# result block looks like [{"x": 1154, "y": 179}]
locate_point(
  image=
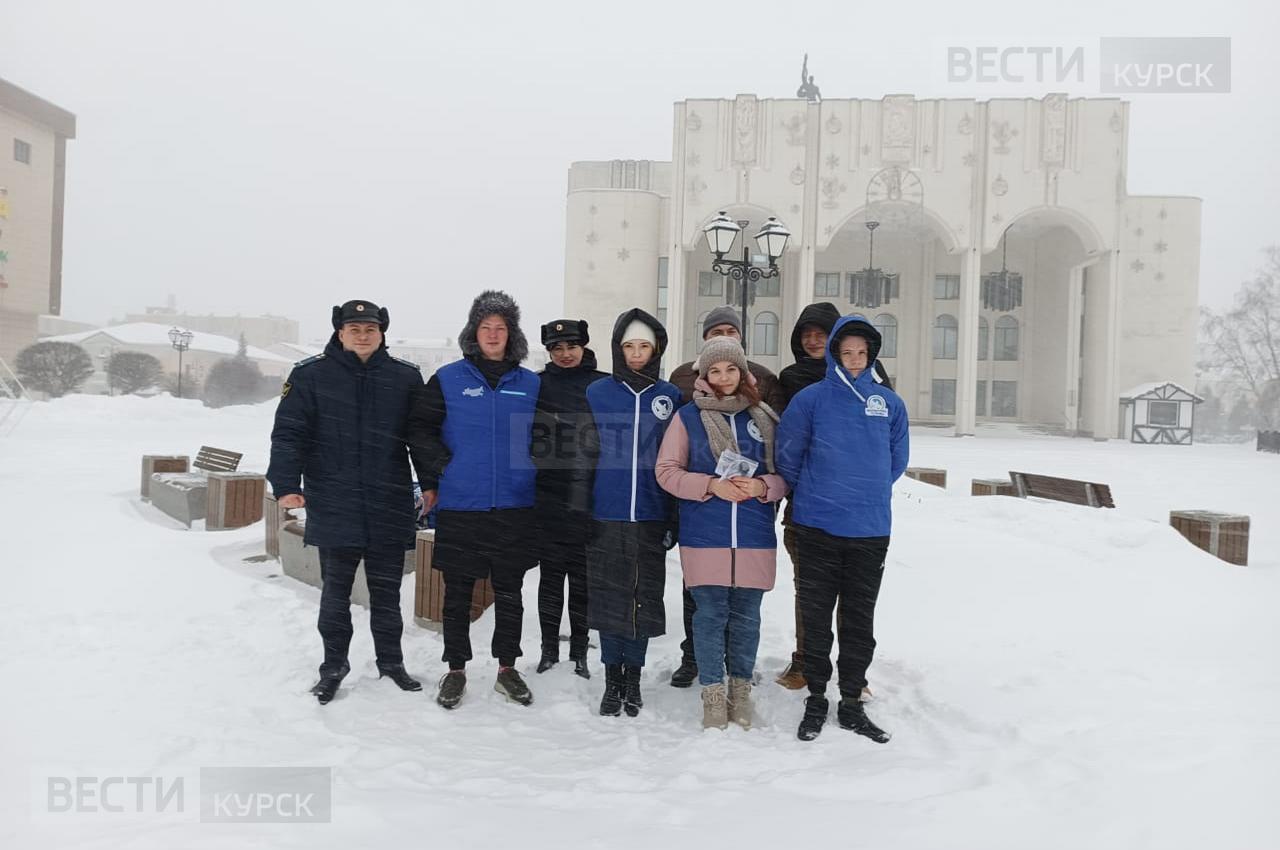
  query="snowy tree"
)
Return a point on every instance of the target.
[
  {"x": 56, "y": 368},
  {"x": 131, "y": 371},
  {"x": 1244, "y": 342},
  {"x": 234, "y": 380}
]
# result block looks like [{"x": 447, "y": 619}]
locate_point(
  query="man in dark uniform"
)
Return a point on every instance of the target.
[{"x": 339, "y": 449}]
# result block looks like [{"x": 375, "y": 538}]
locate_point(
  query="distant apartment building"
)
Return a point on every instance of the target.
[{"x": 33, "y": 150}]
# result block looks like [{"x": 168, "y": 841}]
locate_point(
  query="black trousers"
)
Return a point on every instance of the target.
[
  {"x": 508, "y": 615},
  {"x": 551, "y": 605},
  {"x": 843, "y": 572},
  {"x": 383, "y": 570}
]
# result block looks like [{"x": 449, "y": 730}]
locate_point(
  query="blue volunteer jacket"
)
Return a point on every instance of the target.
[
  {"x": 487, "y": 432},
  {"x": 715, "y": 523},
  {"x": 630, "y": 426},
  {"x": 841, "y": 445}
]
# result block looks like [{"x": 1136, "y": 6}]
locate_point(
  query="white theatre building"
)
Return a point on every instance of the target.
[{"x": 1101, "y": 290}]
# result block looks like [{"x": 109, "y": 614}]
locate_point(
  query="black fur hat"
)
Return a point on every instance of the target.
[
  {"x": 565, "y": 330},
  {"x": 494, "y": 302},
  {"x": 361, "y": 311}
]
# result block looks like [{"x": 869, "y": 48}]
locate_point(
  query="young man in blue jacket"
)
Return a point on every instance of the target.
[
  {"x": 339, "y": 449},
  {"x": 474, "y": 421},
  {"x": 842, "y": 443}
]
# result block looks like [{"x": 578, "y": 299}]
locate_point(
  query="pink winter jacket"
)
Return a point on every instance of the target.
[{"x": 755, "y": 568}]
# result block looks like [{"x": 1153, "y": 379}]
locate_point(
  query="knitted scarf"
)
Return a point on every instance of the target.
[{"x": 719, "y": 433}]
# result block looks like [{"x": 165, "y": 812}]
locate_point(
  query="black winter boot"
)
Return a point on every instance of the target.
[
  {"x": 851, "y": 714},
  {"x": 614, "y": 687},
  {"x": 327, "y": 687},
  {"x": 550, "y": 658},
  {"x": 685, "y": 674},
  {"x": 631, "y": 699},
  {"x": 580, "y": 668},
  {"x": 399, "y": 675},
  {"x": 815, "y": 715}
]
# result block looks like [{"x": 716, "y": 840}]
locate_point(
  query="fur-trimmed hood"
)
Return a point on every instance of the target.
[{"x": 494, "y": 302}]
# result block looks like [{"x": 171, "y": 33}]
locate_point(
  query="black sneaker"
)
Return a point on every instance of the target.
[
  {"x": 397, "y": 674},
  {"x": 815, "y": 715},
  {"x": 511, "y": 685},
  {"x": 685, "y": 674},
  {"x": 851, "y": 714},
  {"x": 452, "y": 686},
  {"x": 580, "y": 668}
]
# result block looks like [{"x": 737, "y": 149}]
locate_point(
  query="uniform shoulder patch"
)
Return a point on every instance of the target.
[
  {"x": 284, "y": 391},
  {"x": 401, "y": 360},
  {"x": 307, "y": 361}
]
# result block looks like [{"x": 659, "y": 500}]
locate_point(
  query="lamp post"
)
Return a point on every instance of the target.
[
  {"x": 180, "y": 340},
  {"x": 721, "y": 233}
]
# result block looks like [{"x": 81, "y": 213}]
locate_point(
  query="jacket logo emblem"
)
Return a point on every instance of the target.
[
  {"x": 876, "y": 406},
  {"x": 473, "y": 392},
  {"x": 754, "y": 430},
  {"x": 662, "y": 407}
]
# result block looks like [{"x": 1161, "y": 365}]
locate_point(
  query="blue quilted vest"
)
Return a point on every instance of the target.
[
  {"x": 488, "y": 432},
  {"x": 716, "y": 523},
  {"x": 631, "y": 426}
]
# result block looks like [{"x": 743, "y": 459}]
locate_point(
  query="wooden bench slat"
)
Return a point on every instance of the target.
[
  {"x": 1069, "y": 490},
  {"x": 217, "y": 460}
]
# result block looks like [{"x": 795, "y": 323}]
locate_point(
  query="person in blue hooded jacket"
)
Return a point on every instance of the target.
[
  {"x": 474, "y": 419},
  {"x": 632, "y": 515},
  {"x": 841, "y": 445}
]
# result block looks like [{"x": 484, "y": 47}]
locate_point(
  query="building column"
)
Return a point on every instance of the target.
[
  {"x": 1075, "y": 316},
  {"x": 676, "y": 305},
  {"x": 1106, "y": 395},
  {"x": 967, "y": 347}
]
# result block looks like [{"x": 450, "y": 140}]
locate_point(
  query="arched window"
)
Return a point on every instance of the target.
[
  {"x": 888, "y": 327},
  {"x": 946, "y": 333},
  {"x": 1006, "y": 338},
  {"x": 984, "y": 331},
  {"x": 764, "y": 334}
]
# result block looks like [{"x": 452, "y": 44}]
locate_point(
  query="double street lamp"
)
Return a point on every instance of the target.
[
  {"x": 722, "y": 232},
  {"x": 181, "y": 340}
]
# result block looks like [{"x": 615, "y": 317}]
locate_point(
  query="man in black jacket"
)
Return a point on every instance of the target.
[
  {"x": 339, "y": 449},
  {"x": 563, "y": 506}
]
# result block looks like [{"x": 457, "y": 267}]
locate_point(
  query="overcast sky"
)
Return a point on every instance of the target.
[{"x": 281, "y": 157}]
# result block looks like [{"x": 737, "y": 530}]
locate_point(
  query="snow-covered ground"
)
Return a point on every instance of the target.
[{"x": 1054, "y": 676}]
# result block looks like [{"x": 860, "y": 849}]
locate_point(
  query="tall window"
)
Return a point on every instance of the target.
[
  {"x": 982, "y": 398},
  {"x": 710, "y": 285},
  {"x": 765, "y": 334},
  {"x": 946, "y": 333},
  {"x": 946, "y": 287},
  {"x": 22, "y": 151},
  {"x": 695, "y": 332},
  {"x": 984, "y": 334},
  {"x": 662, "y": 290},
  {"x": 1006, "y": 340},
  {"x": 1004, "y": 398},
  {"x": 942, "y": 400},
  {"x": 826, "y": 285},
  {"x": 888, "y": 327}
]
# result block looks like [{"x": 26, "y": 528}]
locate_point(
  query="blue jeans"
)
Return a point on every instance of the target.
[
  {"x": 737, "y": 610},
  {"x": 616, "y": 649}
]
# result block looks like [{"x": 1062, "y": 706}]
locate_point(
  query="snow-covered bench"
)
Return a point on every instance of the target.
[
  {"x": 925, "y": 475},
  {"x": 1069, "y": 490},
  {"x": 184, "y": 495},
  {"x": 302, "y": 562}
]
